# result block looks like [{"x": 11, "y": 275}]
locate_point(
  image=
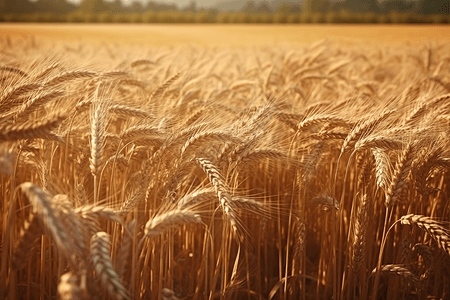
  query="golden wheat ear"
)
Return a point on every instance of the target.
[
  {"x": 101, "y": 260},
  {"x": 221, "y": 190},
  {"x": 433, "y": 227},
  {"x": 31, "y": 130},
  {"x": 174, "y": 218},
  {"x": 400, "y": 270},
  {"x": 58, "y": 219}
]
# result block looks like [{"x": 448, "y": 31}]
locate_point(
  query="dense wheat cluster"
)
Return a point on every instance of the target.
[{"x": 282, "y": 172}]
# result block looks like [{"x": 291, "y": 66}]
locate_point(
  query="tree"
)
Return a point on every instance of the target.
[
  {"x": 191, "y": 7},
  {"x": 17, "y": 6},
  {"x": 433, "y": 7},
  {"x": 358, "y": 6},
  {"x": 397, "y": 5},
  {"x": 54, "y": 6},
  {"x": 249, "y": 7},
  {"x": 113, "y": 6},
  {"x": 264, "y": 8},
  {"x": 283, "y": 8},
  {"x": 92, "y": 6},
  {"x": 135, "y": 7},
  {"x": 314, "y": 6}
]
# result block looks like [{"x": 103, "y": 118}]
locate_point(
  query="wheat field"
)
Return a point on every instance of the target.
[{"x": 316, "y": 171}]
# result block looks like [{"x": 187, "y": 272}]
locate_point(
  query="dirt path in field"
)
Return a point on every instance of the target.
[{"x": 221, "y": 35}]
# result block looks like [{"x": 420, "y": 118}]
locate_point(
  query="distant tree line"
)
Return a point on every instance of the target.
[{"x": 307, "y": 11}]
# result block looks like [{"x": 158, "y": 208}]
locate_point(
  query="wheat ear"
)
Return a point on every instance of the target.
[
  {"x": 383, "y": 168},
  {"x": 379, "y": 142},
  {"x": 32, "y": 130},
  {"x": 365, "y": 127},
  {"x": 67, "y": 76},
  {"x": 160, "y": 90},
  {"x": 46, "y": 71},
  {"x": 100, "y": 243},
  {"x": 141, "y": 62},
  {"x": 221, "y": 191},
  {"x": 13, "y": 70},
  {"x": 401, "y": 270},
  {"x": 203, "y": 195},
  {"x": 97, "y": 145},
  {"x": 360, "y": 233},
  {"x": 160, "y": 223},
  {"x": 434, "y": 228},
  {"x": 321, "y": 119},
  {"x": 129, "y": 111},
  {"x": 18, "y": 90},
  {"x": 57, "y": 218},
  {"x": 397, "y": 188}
]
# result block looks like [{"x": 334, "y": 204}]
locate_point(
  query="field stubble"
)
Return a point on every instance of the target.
[{"x": 288, "y": 172}]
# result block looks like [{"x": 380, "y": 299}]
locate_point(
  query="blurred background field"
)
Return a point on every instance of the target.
[
  {"x": 221, "y": 34},
  {"x": 226, "y": 11}
]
